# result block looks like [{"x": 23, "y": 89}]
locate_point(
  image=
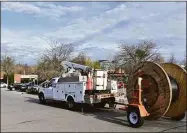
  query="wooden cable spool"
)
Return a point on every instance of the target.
[
  {"x": 158, "y": 84},
  {"x": 178, "y": 78}
]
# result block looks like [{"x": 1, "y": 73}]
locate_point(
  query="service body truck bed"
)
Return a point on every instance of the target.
[{"x": 74, "y": 89}]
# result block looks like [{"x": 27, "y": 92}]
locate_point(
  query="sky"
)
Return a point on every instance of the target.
[{"x": 96, "y": 28}]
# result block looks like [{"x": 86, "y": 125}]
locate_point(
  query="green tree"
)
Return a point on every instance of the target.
[
  {"x": 140, "y": 54},
  {"x": 96, "y": 65},
  {"x": 7, "y": 66},
  {"x": 88, "y": 62},
  {"x": 10, "y": 78},
  {"x": 83, "y": 59}
]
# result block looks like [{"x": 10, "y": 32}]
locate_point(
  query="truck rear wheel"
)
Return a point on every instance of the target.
[
  {"x": 70, "y": 103},
  {"x": 111, "y": 103},
  {"x": 42, "y": 98},
  {"x": 134, "y": 118}
]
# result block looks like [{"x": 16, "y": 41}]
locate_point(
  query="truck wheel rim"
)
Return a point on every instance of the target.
[
  {"x": 70, "y": 104},
  {"x": 42, "y": 98},
  {"x": 133, "y": 117}
]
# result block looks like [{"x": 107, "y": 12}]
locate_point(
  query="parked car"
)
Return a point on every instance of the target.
[
  {"x": 3, "y": 85},
  {"x": 32, "y": 89},
  {"x": 17, "y": 86},
  {"x": 11, "y": 87},
  {"x": 23, "y": 87}
]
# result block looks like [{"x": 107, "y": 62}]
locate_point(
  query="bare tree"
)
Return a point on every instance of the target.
[
  {"x": 49, "y": 63},
  {"x": 24, "y": 69},
  {"x": 172, "y": 59},
  {"x": 7, "y": 65},
  {"x": 57, "y": 53},
  {"x": 18, "y": 69},
  {"x": 80, "y": 59},
  {"x": 45, "y": 71},
  {"x": 131, "y": 55},
  {"x": 83, "y": 59},
  {"x": 183, "y": 63}
]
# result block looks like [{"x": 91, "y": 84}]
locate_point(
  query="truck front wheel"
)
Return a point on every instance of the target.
[{"x": 42, "y": 98}]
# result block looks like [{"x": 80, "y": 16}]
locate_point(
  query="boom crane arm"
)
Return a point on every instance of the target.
[{"x": 74, "y": 66}]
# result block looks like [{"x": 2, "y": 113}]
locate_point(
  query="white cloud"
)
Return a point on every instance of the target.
[
  {"x": 82, "y": 28},
  {"x": 39, "y": 9},
  {"x": 20, "y": 7},
  {"x": 22, "y": 45},
  {"x": 165, "y": 24},
  {"x": 20, "y": 38},
  {"x": 142, "y": 25},
  {"x": 158, "y": 27},
  {"x": 58, "y": 7}
]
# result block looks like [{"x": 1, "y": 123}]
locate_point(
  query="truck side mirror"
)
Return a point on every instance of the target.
[
  {"x": 43, "y": 85},
  {"x": 53, "y": 85},
  {"x": 50, "y": 84}
]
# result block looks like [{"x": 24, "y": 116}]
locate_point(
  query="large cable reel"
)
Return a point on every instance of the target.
[
  {"x": 163, "y": 89},
  {"x": 178, "y": 78}
]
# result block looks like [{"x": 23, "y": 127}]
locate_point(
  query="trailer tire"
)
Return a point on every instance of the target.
[
  {"x": 134, "y": 118},
  {"x": 70, "y": 103},
  {"x": 178, "y": 118},
  {"x": 42, "y": 98}
]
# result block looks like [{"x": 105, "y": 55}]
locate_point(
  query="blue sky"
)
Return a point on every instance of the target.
[{"x": 94, "y": 27}]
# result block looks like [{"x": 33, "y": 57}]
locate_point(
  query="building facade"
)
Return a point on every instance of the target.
[
  {"x": 2, "y": 75},
  {"x": 106, "y": 65}
]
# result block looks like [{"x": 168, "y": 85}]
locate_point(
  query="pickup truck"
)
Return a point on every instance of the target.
[{"x": 73, "y": 91}]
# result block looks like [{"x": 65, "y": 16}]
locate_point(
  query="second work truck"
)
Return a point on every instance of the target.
[{"x": 80, "y": 84}]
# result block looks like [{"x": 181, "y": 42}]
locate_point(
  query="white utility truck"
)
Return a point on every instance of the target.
[{"x": 80, "y": 84}]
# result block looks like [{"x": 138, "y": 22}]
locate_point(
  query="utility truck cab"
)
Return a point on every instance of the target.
[{"x": 80, "y": 84}]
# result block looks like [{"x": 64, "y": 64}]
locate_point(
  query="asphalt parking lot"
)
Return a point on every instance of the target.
[{"x": 21, "y": 112}]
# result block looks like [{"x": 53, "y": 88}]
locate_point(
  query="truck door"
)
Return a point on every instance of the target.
[
  {"x": 52, "y": 88},
  {"x": 61, "y": 89},
  {"x": 55, "y": 93},
  {"x": 47, "y": 90},
  {"x": 50, "y": 92}
]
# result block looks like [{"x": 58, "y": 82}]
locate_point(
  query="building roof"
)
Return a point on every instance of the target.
[{"x": 103, "y": 61}]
